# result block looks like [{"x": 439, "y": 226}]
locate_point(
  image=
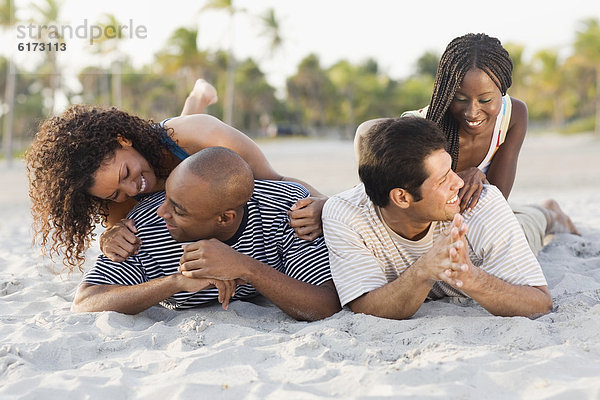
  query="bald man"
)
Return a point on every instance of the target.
[{"x": 215, "y": 234}]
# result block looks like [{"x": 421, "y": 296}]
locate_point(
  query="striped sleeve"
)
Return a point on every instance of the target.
[
  {"x": 354, "y": 268},
  {"x": 498, "y": 240},
  {"x": 306, "y": 261},
  {"x": 106, "y": 272}
]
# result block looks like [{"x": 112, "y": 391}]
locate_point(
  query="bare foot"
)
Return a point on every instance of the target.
[
  {"x": 202, "y": 95},
  {"x": 204, "y": 92},
  {"x": 558, "y": 221}
]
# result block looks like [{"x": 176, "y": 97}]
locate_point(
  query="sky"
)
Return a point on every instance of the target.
[{"x": 394, "y": 33}]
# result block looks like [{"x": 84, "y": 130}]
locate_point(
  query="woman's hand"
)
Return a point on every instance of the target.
[
  {"x": 305, "y": 217},
  {"x": 119, "y": 242},
  {"x": 474, "y": 179}
]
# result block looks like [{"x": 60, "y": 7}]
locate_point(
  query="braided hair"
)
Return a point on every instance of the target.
[{"x": 462, "y": 54}]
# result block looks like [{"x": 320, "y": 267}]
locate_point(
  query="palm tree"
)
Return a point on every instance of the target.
[
  {"x": 587, "y": 47},
  {"x": 110, "y": 45},
  {"x": 271, "y": 30},
  {"x": 7, "y": 19},
  {"x": 48, "y": 12},
  {"x": 550, "y": 83},
  {"x": 183, "y": 58},
  {"x": 227, "y": 5}
]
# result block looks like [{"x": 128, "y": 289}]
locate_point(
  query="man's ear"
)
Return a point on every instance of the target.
[
  {"x": 124, "y": 142},
  {"x": 401, "y": 198},
  {"x": 227, "y": 217}
]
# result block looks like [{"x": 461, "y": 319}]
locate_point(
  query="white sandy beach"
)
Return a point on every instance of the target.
[{"x": 449, "y": 349}]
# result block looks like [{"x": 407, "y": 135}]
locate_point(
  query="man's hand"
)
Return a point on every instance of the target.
[
  {"x": 464, "y": 271},
  {"x": 445, "y": 256},
  {"x": 226, "y": 288},
  {"x": 119, "y": 242},
  {"x": 305, "y": 217},
  {"x": 213, "y": 259}
]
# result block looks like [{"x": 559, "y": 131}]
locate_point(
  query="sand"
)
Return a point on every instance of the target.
[{"x": 449, "y": 349}]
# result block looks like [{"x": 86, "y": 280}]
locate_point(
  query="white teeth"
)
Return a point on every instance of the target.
[
  {"x": 473, "y": 124},
  {"x": 452, "y": 200},
  {"x": 143, "y": 185}
]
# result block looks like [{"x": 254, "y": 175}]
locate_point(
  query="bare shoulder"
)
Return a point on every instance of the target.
[
  {"x": 365, "y": 126},
  {"x": 198, "y": 131},
  {"x": 519, "y": 114},
  {"x": 190, "y": 124}
]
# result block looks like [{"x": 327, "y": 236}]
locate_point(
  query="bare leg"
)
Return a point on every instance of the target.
[
  {"x": 202, "y": 95},
  {"x": 557, "y": 220}
]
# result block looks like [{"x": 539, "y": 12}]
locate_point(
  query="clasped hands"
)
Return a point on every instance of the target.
[
  {"x": 448, "y": 260},
  {"x": 210, "y": 262}
]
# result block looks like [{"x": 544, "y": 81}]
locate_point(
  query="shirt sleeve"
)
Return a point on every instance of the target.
[
  {"x": 354, "y": 268},
  {"x": 106, "y": 272},
  {"x": 305, "y": 260},
  {"x": 498, "y": 240}
]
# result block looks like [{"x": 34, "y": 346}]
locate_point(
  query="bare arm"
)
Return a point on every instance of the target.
[
  {"x": 503, "y": 167},
  {"x": 361, "y": 131},
  {"x": 197, "y": 132},
  {"x": 119, "y": 240},
  {"x": 299, "y": 300},
  {"x": 496, "y": 295},
  {"x": 137, "y": 298},
  {"x": 504, "y": 299},
  {"x": 399, "y": 299},
  {"x": 499, "y": 297}
]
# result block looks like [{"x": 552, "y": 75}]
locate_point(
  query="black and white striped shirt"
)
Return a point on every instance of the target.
[{"x": 266, "y": 236}]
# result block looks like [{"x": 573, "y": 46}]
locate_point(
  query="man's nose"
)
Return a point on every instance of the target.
[{"x": 458, "y": 182}]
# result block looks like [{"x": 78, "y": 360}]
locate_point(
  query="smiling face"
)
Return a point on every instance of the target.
[
  {"x": 440, "y": 190},
  {"x": 189, "y": 210},
  {"x": 126, "y": 174},
  {"x": 476, "y": 103}
]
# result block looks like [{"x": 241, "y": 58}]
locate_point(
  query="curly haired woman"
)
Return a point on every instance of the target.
[{"x": 88, "y": 166}]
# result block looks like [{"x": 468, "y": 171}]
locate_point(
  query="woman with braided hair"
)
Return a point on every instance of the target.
[
  {"x": 484, "y": 126},
  {"x": 90, "y": 165}
]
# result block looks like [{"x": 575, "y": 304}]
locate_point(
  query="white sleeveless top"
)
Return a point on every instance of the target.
[{"x": 498, "y": 136}]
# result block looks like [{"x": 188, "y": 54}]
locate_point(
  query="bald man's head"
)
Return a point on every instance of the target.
[
  {"x": 228, "y": 176},
  {"x": 206, "y": 194}
]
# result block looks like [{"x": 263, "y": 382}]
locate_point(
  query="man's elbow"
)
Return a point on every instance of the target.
[
  {"x": 329, "y": 309},
  {"x": 546, "y": 305},
  {"x": 362, "y": 306},
  {"x": 545, "y": 302},
  {"x": 325, "y": 310},
  {"x": 79, "y": 305}
]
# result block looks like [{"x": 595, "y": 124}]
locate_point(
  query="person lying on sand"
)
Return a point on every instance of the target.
[
  {"x": 484, "y": 126},
  {"x": 92, "y": 164},
  {"x": 398, "y": 239},
  {"x": 240, "y": 243}
]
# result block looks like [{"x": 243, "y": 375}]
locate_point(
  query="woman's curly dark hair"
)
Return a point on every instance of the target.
[{"x": 67, "y": 150}]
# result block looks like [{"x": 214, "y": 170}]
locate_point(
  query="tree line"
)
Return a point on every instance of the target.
[{"x": 562, "y": 94}]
